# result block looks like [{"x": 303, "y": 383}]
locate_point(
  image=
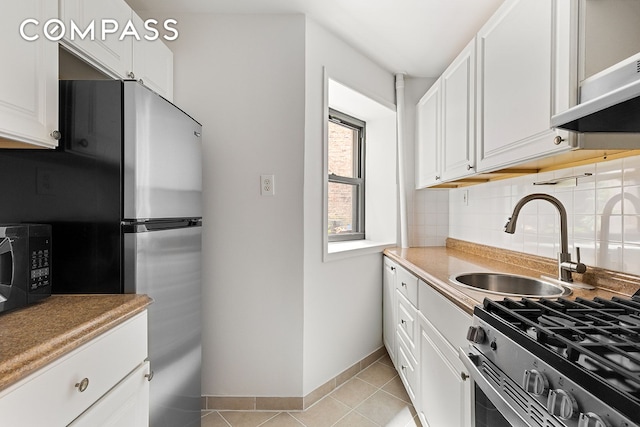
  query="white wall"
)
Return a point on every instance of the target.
[
  {"x": 278, "y": 321},
  {"x": 603, "y": 214},
  {"x": 342, "y": 298},
  {"x": 242, "y": 77}
]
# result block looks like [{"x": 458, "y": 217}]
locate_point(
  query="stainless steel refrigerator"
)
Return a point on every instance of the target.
[{"x": 123, "y": 196}]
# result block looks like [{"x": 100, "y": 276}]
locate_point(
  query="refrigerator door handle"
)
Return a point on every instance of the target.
[{"x": 155, "y": 225}]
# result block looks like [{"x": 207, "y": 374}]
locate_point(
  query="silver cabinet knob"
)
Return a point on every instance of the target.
[
  {"x": 56, "y": 135},
  {"x": 149, "y": 376},
  {"x": 562, "y": 404},
  {"x": 535, "y": 382},
  {"x": 82, "y": 385},
  {"x": 131, "y": 75},
  {"x": 558, "y": 140},
  {"x": 464, "y": 376},
  {"x": 469, "y": 167}
]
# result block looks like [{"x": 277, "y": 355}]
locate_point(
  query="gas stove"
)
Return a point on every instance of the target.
[{"x": 559, "y": 362}]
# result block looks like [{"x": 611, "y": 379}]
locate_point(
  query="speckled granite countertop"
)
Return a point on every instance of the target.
[
  {"x": 436, "y": 264},
  {"x": 34, "y": 336}
]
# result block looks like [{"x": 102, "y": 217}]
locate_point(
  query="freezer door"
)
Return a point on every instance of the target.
[
  {"x": 162, "y": 157},
  {"x": 166, "y": 265}
]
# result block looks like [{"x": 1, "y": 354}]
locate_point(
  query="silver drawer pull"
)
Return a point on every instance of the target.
[
  {"x": 82, "y": 385},
  {"x": 149, "y": 376}
]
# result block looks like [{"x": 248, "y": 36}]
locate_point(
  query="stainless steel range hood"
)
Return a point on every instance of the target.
[{"x": 609, "y": 101}]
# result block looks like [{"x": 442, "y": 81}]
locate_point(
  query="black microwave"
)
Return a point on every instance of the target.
[{"x": 25, "y": 264}]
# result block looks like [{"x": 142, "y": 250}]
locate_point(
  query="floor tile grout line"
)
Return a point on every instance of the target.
[
  {"x": 223, "y": 418},
  {"x": 266, "y": 421}
]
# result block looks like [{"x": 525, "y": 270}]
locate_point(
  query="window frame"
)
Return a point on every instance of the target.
[{"x": 358, "y": 231}]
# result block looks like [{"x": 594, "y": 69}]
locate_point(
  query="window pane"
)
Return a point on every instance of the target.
[
  {"x": 342, "y": 208},
  {"x": 342, "y": 146}
]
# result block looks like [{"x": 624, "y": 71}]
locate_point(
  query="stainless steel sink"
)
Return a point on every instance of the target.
[{"x": 509, "y": 284}]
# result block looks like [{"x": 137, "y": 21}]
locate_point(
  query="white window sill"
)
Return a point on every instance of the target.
[{"x": 351, "y": 248}]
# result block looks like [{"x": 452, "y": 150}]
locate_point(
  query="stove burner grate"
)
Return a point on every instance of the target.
[{"x": 598, "y": 337}]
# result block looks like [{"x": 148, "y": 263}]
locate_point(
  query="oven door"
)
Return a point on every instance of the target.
[
  {"x": 486, "y": 413},
  {"x": 493, "y": 405}
]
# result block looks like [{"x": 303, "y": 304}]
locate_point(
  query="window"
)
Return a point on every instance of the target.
[{"x": 346, "y": 177}]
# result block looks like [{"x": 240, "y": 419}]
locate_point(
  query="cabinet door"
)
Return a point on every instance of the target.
[
  {"x": 445, "y": 390},
  {"x": 458, "y": 119},
  {"x": 111, "y": 55},
  {"x": 428, "y": 138},
  {"x": 523, "y": 78},
  {"x": 153, "y": 63},
  {"x": 388, "y": 306},
  {"x": 29, "y": 92},
  {"x": 126, "y": 405}
]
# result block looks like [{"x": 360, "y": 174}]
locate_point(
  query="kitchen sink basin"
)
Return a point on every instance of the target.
[{"x": 509, "y": 284}]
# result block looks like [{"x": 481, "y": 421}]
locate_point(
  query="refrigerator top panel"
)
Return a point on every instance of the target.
[{"x": 162, "y": 158}]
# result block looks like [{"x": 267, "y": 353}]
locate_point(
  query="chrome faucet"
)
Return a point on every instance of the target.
[{"x": 565, "y": 265}]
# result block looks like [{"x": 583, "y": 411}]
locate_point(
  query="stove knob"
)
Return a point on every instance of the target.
[
  {"x": 476, "y": 334},
  {"x": 535, "y": 382},
  {"x": 592, "y": 420},
  {"x": 562, "y": 404}
]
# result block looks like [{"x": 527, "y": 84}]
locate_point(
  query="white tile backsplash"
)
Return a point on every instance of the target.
[
  {"x": 603, "y": 215},
  {"x": 429, "y": 224}
]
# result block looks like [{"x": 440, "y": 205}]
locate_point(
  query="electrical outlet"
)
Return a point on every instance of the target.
[{"x": 267, "y": 185}]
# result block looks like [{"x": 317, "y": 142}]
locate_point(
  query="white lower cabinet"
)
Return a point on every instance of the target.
[
  {"x": 445, "y": 390},
  {"x": 445, "y": 387},
  {"x": 389, "y": 307},
  {"x": 428, "y": 331},
  {"x": 103, "y": 382}
]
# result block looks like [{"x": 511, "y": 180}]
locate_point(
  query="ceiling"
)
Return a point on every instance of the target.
[{"x": 416, "y": 37}]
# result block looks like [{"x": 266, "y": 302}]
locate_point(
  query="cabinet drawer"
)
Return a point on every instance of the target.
[
  {"x": 450, "y": 320},
  {"x": 407, "y": 368},
  {"x": 126, "y": 405},
  {"x": 406, "y": 319},
  {"x": 103, "y": 361},
  {"x": 407, "y": 284}
]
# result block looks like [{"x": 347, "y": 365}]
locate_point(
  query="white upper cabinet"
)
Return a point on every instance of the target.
[
  {"x": 428, "y": 129},
  {"x": 153, "y": 63},
  {"x": 458, "y": 119},
  {"x": 149, "y": 61},
  {"x": 526, "y": 72},
  {"x": 29, "y": 76},
  {"x": 111, "y": 55}
]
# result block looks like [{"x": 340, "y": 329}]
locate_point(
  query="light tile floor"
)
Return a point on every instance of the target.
[{"x": 373, "y": 398}]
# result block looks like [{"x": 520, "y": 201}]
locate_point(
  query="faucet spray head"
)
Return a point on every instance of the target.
[{"x": 510, "y": 226}]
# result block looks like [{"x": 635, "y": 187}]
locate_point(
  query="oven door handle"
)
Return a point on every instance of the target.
[{"x": 504, "y": 407}]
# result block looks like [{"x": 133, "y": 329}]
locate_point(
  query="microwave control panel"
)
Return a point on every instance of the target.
[{"x": 40, "y": 262}]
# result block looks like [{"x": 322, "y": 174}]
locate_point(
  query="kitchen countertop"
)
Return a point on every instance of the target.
[
  {"x": 36, "y": 335},
  {"x": 436, "y": 264}
]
